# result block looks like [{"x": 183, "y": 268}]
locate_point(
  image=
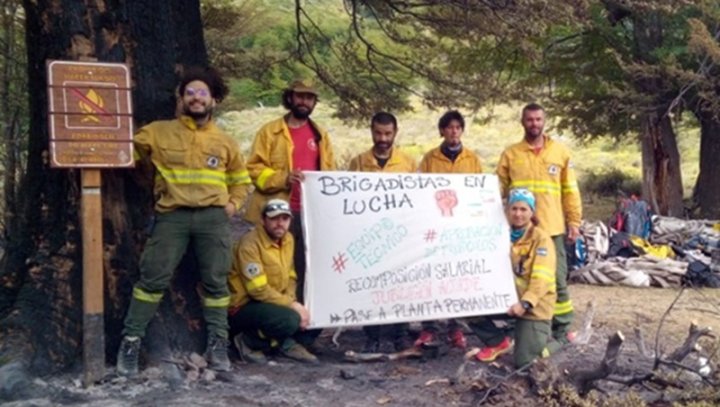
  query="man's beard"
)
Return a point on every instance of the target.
[
  {"x": 301, "y": 114},
  {"x": 204, "y": 114}
]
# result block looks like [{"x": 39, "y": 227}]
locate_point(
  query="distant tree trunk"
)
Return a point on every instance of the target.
[
  {"x": 662, "y": 180},
  {"x": 707, "y": 187},
  {"x": 40, "y": 286}
]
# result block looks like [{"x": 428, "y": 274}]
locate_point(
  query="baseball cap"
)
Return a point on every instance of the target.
[{"x": 275, "y": 207}]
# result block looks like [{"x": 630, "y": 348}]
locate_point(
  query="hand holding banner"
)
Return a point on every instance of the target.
[{"x": 387, "y": 248}]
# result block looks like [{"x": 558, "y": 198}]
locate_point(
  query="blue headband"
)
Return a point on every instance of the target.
[{"x": 522, "y": 195}]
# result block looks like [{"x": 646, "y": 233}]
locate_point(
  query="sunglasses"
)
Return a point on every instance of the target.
[
  {"x": 277, "y": 207},
  {"x": 199, "y": 92}
]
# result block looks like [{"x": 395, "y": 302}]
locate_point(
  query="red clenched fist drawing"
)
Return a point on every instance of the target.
[{"x": 446, "y": 201}]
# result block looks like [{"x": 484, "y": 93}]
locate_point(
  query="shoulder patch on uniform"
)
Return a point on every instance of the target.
[
  {"x": 541, "y": 251},
  {"x": 213, "y": 161},
  {"x": 252, "y": 270}
]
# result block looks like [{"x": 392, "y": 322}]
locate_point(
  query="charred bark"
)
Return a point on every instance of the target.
[
  {"x": 40, "y": 297},
  {"x": 707, "y": 187},
  {"x": 662, "y": 180}
]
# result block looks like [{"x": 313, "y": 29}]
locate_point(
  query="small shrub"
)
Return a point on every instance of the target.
[{"x": 610, "y": 183}]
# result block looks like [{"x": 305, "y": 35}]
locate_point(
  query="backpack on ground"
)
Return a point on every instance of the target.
[{"x": 632, "y": 216}]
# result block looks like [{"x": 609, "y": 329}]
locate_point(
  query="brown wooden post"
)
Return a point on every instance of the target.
[
  {"x": 93, "y": 307},
  {"x": 90, "y": 115}
]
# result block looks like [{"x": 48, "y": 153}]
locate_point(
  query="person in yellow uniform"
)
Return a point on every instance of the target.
[
  {"x": 543, "y": 166},
  {"x": 383, "y": 156},
  {"x": 200, "y": 183},
  {"x": 264, "y": 313},
  {"x": 282, "y": 150},
  {"x": 533, "y": 262},
  {"x": 449, "y": 157}
]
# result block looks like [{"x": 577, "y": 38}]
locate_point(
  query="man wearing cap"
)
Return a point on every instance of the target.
[
  {"x": 264, "y": 314},
  {"x": 384, "y": 157},
  {"x": 543, "y": 166},
  {"x": 282, "y": 150},
  {"x": 200, "y": 183}
]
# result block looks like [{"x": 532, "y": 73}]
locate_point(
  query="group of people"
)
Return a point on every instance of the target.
[{"x": 252, "y": 291}]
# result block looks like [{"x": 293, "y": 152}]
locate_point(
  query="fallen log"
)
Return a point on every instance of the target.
[{"x": 583, "y": 380}]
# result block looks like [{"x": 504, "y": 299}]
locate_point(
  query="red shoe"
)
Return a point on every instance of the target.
[
  {"x": 424, "y": 338},
  {"x": 490, "y": 353},
  {"x": 457, "y": 338}
]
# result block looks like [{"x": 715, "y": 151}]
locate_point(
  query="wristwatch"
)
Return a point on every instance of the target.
[{"x": 526, "y": 305}]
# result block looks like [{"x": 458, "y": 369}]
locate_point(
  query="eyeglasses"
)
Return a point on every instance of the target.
[{"x": 199, "y": 92}]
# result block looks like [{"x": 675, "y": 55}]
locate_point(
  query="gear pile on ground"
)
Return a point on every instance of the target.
[{"x": 676, "y": 252}]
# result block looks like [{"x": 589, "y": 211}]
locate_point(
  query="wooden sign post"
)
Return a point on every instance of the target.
[{"x": 90, "y": 116}]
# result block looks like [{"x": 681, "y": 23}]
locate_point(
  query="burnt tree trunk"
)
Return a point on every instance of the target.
[
  {"x": 40, "y": 286},
  {"x": 707, "y": 187},
  {"x": 662, "y": 180}
]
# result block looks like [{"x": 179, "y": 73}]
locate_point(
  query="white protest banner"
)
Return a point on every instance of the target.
[{"x": 387, "y": 248}]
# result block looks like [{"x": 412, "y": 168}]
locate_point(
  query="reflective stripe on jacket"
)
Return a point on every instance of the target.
[
  {"x": 550, "y": 176},
  {"x": 262, "y": 270},
  {"x": 533, "y": 259},
  {"x": 195, "y": 167},
  {"x": 270, "y": 162}
]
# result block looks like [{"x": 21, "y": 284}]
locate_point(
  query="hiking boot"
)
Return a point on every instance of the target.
[
  {"x": 299, "y": 353},
  {"x": 128, "y": 355},
  {"x": 216, "y": 353},
  {"x": 425, "y": 338},
  {"x": 490, "y": 353},
  {"x": 248, "y": 354},
  {"x": 457, "y": 338},
  {"x": 372, "y": 345}
]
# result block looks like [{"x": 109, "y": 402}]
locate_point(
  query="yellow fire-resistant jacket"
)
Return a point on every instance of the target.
[
  {"x": 195, "y": 167},
  {"x": 466, "y": 162},
  {"x": 262, "y": 270},
  {"x": 533, "y": 260},
  {"x": 270, "y": 162},
  {"x": 398, "y": 162},
  {"x": 550, "y": 176}
]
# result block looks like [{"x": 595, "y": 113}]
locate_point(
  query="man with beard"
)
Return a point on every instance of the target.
[
  {"x": 383, "y": 157},
  {"x": 450, "y": 157},
  {"x": 264, "y": 314},
  {"x": 200, "y": 183},
  {"x": 543, "y": 166},
  {"x": 282, "y": 150}
]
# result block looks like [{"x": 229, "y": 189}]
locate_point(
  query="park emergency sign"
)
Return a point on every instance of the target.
[{"x": 387, "y": 248}]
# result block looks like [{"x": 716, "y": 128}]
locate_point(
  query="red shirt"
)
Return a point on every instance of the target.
[{"x": 305, "y": 157}]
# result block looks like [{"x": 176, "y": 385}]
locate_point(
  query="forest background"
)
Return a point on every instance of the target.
[{"x": 632, "y": 85}]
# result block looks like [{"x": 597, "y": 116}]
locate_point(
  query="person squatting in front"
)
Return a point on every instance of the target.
[
  {"x": 200, "y": 183},
  {"x": 264, "y": 314},
  {"x": 533, "y": 262}
]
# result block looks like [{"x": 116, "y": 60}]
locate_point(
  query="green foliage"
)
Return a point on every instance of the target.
[{"x": 610, "y": 183}]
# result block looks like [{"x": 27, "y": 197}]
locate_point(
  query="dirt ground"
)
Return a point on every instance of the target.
[{"x": 420, "y": 382}]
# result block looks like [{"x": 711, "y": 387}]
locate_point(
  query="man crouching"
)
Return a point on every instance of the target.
[{"x": 264, "y": 314}]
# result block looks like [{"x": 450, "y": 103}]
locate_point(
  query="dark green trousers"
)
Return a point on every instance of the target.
[
  {"x": 267, "y": 326},
  {"x": 208, "y": 231},
  {"x": 564, "y": 311},
  {"x": 532, "y": 338},
  {"x": 299, "y": 262}
]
